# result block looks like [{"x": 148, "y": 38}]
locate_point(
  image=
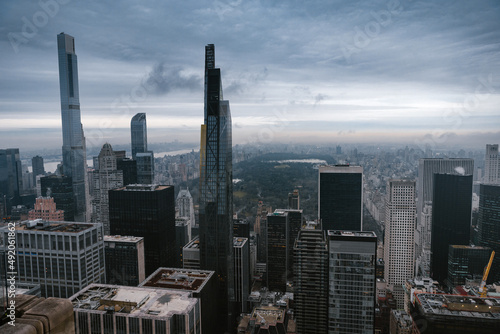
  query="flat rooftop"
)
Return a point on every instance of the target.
[
  {"x": 460, "y": 306},
  {"x": 193, "y": 244},
  {"x": 122, "y": 238},
  {"x": 468, "y": 247},
  {"x": 268, "y": 315},
  {"x": 136, "y": 301},
  {"x": 239, "y": 242},
  {"x": 49, "y": 226},
  {"x": 142, "y": 187},
  {"x": 367, "y": 234},
  {"x": 192, "y": 280}
]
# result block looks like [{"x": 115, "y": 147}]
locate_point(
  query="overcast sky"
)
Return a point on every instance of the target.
[{"x": 418, "y": 72}]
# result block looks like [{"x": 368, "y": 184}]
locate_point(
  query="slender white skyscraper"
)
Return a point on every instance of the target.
[
  {"x": 73, "y": 150},
  {"x": 399, "y": 244}
]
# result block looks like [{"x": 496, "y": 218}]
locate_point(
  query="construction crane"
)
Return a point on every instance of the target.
[{"x": 482, "y": 288}]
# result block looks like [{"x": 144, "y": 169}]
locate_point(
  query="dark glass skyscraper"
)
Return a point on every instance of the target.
[
  {"x": 146, "y": 211},
  {"x": 340, "y": 202},
  {"x": 216, "y": 188},
  {"x": 61, "y": 189},
  {"x": 37, "y": 166},
  {"x": 11, "y": 180},
  {"x": 451, "y": 219},
  {"x": 139, "y": 134},
  {"x": 489, "y": 225},
  {"x": 74, "y": 154}
]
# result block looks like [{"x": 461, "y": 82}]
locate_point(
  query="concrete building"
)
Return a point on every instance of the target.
[
  {"x": 185, "y": 207},
  {"x": 352, "y": 282},
  {"x": 200, "y": 284},
  {"x": 241, "y": 273},
  {"x": 45, "y": 208},
  {"x": 294, "y": 200},
  {"x": 104, "y": 179},
  {"x": 182, "y": 237},
  {"x": 191, "y": 254},
  {"x": 340, "y": 197},
  {"x": 63, "y": 257},
  {"x": 399, "y": 240},
  {"x": 35, "y": 315},
  {"x": 492, "y": 165},
  {"x": 401, "y": 323},
  {"x": 125, "y": 263},
  {"x": 101, "y": 308},
  {"x": 311, "y": 280}
]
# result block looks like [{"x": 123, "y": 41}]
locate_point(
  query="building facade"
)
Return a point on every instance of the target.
[
  {"x": 451, "y": 219},
  {"x": 104, "y": 179},
  {"x": 37, "y": 167},
  {"x": 216, "y": 188},
  {"x": 311, "y": 280},
  {"x": 340, "y": 197},
  {"x": 61, "y": 189},
  {"x": 145, "y": 167},
  {"x": 139, "y": 134},
  {"x": 146, "y": 211},
  {"x": 63, "y": 257},
  {"x": 492, "y": 165},
  {"x": 399, "y": 236},
  {"x": 45, "y": 208},
  {"x": 73, "y": 150},
  {"x": 11, "y": 178},
  {"x": 489, "y": 225},
  {"x": 352, "y": 283},
  {"x": 125, "y": 262},
  {"x": 241, "y": 273},
  {"x": 466, "y": 262}
]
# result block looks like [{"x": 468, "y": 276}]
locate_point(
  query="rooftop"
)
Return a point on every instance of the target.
[
  {"x": 48, "y": 226},
  {"x": 193, "y": 244},
  {"x": 459, "y": 306},
  {"x": 239, "y": 242},
  {"x": 142, "y": 187},
  {"x": 367, "y": 234},
  {"x": 136, "y": 301},
  {"x": 122, "y": 238},
  {"x": 268, "y": 315},
  {"x": 178, "y": 279}
]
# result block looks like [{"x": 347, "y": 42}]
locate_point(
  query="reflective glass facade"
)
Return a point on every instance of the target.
[
  {"x": 489, "y": 225},
  {"x": 139, "y": 135},
  {"x": 74, "y": 153}
]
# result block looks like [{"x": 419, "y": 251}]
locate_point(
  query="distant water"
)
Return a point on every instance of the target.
[
  {"x": 305, "y": 161},
  {"x": 178, "y": 152}
]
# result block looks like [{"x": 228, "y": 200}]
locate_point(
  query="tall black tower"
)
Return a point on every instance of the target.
[
  {"x": 216, "y": 190},
  {"x": 489, "y": 224},
  {"x": 451, "y": 219}
]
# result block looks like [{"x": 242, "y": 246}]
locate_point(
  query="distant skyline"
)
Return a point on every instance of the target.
[{"x": 401, "y": 71}]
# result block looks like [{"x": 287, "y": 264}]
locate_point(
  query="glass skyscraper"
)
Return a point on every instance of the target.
[
  {"x": 139, "y": 134},
  {"x": 216, "y": 188},
  {"x": 489, "y": 224},
  {"x": 74, "y": 154}
]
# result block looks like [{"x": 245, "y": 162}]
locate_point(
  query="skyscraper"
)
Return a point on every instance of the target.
[
  {"x": 340, "y": 201},
  {"x": 451, "y": 219},
  {"x": 73, "y": 150},
  {"x": 425, "y": 186},
  {"x": 216, "y": 188},
  {"x": 11, "y": 179},
  {"x": 492, "y": 165},
  {"x": 45, "y": 208},
  {"x": 489, "y": 224},
  {"x": 311, "y": 280},
  {"x": 145, "y": 167},
  {"x": 37, "y": 167},
  {"x": 124, "y": 260},
  {"x": 399, "y": 235},
  {"x": 61, "y": 189},
  {"x": 139, "y": 134},
  {"x": 146, "y": 211},
  {"x": 107, "y": 177},
  {"x": 351, "y": 301},
  {"x": 184, "y": 203}
]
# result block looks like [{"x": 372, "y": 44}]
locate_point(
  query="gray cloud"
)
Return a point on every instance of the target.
[{"x": 162, "y": 80}]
